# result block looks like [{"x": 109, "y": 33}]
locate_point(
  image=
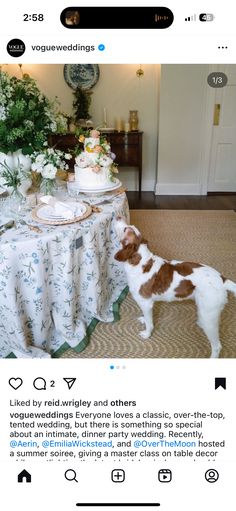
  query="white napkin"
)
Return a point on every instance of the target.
[{"x": 62, "y": 209}]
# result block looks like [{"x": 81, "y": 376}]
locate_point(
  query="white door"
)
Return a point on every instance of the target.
[{"x": 222, "y": 168}]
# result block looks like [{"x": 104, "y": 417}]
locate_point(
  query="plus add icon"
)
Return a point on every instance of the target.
[{"x": 118, "y": 475}]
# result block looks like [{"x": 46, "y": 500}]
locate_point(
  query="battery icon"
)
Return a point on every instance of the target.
[{"x": 206, "y": 17}]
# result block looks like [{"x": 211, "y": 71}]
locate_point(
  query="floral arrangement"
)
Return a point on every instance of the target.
[
  {"x": 12, "y": 178},
  {"x": 85, "y": 152},
  {"x": 26, "y": 115},
  {"x": 46, "y": 163}
]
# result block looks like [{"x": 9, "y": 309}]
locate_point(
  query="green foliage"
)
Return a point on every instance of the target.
[
  {"x": 81, "y": 104},
  {"x": 13, "y": 177},
  {"x": 81, "y": 134},
  {"x": 82, "y": 131},
  {"x": 26, "y": 115}
]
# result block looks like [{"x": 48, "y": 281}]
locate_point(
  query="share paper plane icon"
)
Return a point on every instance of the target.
[{"x": 70, "y": 382}]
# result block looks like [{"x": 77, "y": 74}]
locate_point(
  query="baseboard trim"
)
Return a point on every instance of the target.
[
  {"x": 221, "y": 193},
  {"x": 178, "y": 189}
]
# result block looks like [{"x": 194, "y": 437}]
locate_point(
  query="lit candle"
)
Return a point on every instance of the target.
[{"x": 104, "y": 116}]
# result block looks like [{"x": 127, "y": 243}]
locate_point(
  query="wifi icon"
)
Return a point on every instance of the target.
[{"x": 191, "y": 18}]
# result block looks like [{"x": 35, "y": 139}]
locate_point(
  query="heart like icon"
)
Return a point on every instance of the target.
[{"x": 15, "y": 383}]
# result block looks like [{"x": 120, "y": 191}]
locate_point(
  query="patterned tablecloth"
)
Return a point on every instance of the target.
[{"x": 56, "y": 285}]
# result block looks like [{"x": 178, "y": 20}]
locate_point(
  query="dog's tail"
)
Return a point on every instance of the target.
[{"x": 230, "y": 286}]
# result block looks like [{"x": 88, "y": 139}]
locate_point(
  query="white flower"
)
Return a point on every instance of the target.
[
  {"x": 36, "y": 167},
  {"x": 49, "y": 171},
  {"x": 53, "y": 126},
  {"x": 105, "y": 161},
  {"x": 81, "y": 161},
  {"x": 29, "y": 124},
  {"x": 40, "y": 159},
  {"x": 68, "y": 156},
  {"x": 2, "y": 113}
]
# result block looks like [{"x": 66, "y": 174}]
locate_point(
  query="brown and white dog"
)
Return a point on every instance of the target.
[{"x": 151, "y": 278}]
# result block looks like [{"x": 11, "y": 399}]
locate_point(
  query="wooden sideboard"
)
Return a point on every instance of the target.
[
  {"x": 126, "y": 146},
  {"x": 128, "y": 149}
]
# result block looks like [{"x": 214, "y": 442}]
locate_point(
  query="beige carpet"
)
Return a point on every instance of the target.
[{"x": 202, "y": 236}]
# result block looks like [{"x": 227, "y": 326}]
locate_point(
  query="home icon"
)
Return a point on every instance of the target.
[{"x": 24, "y": 476}]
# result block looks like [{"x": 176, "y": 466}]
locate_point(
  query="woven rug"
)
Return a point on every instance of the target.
[{"x": 201, "y": 236}]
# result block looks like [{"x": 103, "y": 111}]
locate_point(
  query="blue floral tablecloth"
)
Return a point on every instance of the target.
[{"x": 56, "y": 285}]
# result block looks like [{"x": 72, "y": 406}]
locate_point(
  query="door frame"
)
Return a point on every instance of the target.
[{"x": 209, "y": 102}]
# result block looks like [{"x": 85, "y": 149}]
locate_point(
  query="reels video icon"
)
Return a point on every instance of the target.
[{"x": 165, "y": 475}]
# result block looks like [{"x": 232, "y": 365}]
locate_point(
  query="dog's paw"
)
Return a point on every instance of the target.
[
  {"x": 145, "y": 334},
  {"x": 141, "y": 320}
]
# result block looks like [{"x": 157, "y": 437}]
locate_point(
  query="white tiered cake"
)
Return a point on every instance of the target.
[{"x": 94, "y": 167}]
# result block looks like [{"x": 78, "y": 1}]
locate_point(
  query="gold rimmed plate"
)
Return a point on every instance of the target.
[{"x": 40, "y": 216}]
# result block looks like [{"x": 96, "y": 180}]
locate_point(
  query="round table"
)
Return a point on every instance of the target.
[{"x": 56, "y": 285}]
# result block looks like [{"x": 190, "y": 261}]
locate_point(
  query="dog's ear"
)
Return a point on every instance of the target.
[
  {"x": 131, "y": 236},
  {"x": 126, "y": 252}
]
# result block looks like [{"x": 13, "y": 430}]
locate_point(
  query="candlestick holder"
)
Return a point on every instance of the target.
[{"x": 133, "y": 120}]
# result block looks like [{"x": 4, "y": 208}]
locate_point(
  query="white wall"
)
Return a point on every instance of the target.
[
  {"x": 181, "y": 129},
  {"x": 118, "y": 90}
]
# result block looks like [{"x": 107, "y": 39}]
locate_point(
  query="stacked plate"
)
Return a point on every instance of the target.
[
  {"x": 61, "y": 212},
  {"x": 75, "y": 189}
]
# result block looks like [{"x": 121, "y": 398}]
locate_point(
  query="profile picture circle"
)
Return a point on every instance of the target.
[
  {"x": 211, "y": 475},
  {"x": 16, "y": 47}
]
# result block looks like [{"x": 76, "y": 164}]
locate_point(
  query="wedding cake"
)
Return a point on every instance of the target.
[{"x": 94, "y": 166}]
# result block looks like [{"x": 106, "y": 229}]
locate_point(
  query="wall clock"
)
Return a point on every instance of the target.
[{"x": 81, "y": 75}]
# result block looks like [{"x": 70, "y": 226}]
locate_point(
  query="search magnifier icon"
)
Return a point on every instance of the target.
[{"x": 70, "y": 475}]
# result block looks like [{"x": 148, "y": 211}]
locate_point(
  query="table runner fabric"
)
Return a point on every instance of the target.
[{"x": 55, "y": 286}]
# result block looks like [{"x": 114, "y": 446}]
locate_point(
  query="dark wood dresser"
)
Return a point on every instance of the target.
[{"x": 128, "y": 149}]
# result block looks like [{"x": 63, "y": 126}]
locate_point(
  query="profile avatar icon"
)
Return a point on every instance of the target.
[{"x": 211, "y": 475}]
